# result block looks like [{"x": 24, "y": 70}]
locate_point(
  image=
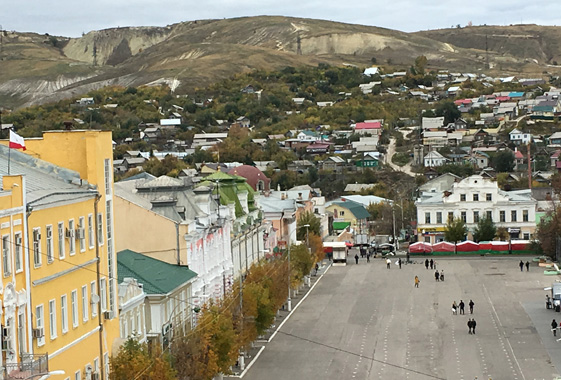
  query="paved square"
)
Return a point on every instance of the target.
[{"x": 367, "y": 322}]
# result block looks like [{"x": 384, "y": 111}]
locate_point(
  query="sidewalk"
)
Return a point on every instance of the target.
[{"x": 283, "y": 315}]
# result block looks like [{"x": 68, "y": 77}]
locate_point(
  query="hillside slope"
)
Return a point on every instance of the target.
[{"x": 40, "y": 68}]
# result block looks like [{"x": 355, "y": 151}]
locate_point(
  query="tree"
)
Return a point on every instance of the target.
[
  {"x": 485, "y": 230},
  {"x": 308, "y": 218},
  {"x": 420, "y": 65},
  {"x": 449, "y": 110},
  {"x": 300, "y": 263},
  {"x": 455, "y": 231},
  {"x": 549, "y": 230},
  {"x": 504, "y": 161},
  {"x": 135, "y": 360}
]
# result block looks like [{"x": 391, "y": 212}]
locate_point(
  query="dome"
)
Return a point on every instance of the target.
[{"x": 255, "y": 177}]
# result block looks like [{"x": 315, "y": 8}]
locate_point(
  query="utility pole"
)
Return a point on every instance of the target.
[{"x": 529, "y": 167}]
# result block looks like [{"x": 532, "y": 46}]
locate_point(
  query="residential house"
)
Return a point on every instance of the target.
[
  {"x": 480, "y": 159},
  {"x": 151, "y": 134},
  {"x": 243, "y": 121},
  {"x": 472, "y": 199},
  {"x": 433, "y": 159},
  {"x": 300, "y": 166},
  {"x": 518, "y": 137},
  {"x": 358, "y": 187},
  {"x": 167, "y": 297},
  {"x": 334, "y": 164},
  {"x": 59, "y": 306},
  {"x": 372, "y": 128},
  {"x": 439, "y": 184},
  {"x": 132, "y": 312},
  {"x": 555, "y": 139},
  {"x": 368, "y": 160},
  {"x": 367, "y": 88},
  {"x": 554, "y": 158},
  {"x": 366, "y": 144},
  {"x": 208, "y": 139},
  {"x": 435, "y": 139},
  {"x": 347, "y": 213},
  {"x": 519, "y": 161},
  {"x": 432, "y": 123},
  {"x": 254, "y": 177},
  {"x": 309, "y": 136}
]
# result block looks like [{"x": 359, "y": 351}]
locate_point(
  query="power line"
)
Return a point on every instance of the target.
[{"x": 361, "y": 356}]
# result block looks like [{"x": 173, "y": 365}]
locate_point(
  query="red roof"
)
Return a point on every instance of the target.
[
  {"x": 252, "y": 175},
  {"x": 503, "y": 98},
  {"x": 557, "y": 164},
  {"x": 462, "y": 102},
  {"x": 368, "y": 125},
  {"x": 556, "y": 154},
  {"x": 518, "y": 154}
]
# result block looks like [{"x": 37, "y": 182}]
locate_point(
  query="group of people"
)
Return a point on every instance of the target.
[
  {"x": 521, "y": 265},
  {"x": 431, "y": 263},
  {"x": 461, "y": 307}
]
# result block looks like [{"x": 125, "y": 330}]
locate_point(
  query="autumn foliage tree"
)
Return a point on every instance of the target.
[{"x": 135, "y": 361}]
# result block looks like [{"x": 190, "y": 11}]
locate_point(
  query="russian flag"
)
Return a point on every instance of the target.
[{"x": 16, "y": 141}]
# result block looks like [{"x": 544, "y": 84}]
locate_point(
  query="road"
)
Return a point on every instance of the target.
[
  {"x": 367, "y": 322},
  {"x": 391, "y": 152}
]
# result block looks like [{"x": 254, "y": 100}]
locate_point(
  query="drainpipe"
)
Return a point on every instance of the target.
[
  {"x": 28, "y": 210},
  {"x": 98, "y": 277},
  {"x": 177, "y": 242}
]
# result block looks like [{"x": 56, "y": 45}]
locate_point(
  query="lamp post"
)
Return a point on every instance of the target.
[{"x": 289, "y": 300}]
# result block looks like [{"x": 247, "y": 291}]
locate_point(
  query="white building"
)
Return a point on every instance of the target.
[
  {"x": 433, "y": 122},
  {"x": 433, "y": 159},
  {"x": 471, "y": 199},
  {"x": 518, "y": 137},
  {"x": 131, "y": 310}
]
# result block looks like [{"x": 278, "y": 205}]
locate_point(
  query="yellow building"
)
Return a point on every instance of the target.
[{"x": 70, "y": 263}]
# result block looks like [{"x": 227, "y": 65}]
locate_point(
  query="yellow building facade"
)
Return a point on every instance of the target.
[{"x": 69, "y": 274}]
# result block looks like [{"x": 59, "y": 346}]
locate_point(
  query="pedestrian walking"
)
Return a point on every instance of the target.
[
  {"x": 469, "y": 325},
  {"x": 471, "y": 306},
  {"x": 454, "y": 308},
  {"x": 388, "y": 263},
  {"x": 554, "y": 326},
  {"x": 527, "y": 266},
  {"x": 399, "y": 262},
  {"x": 356, "y": 258},
  {"x": 317, "y": 268},
  {"x": 473, "y": 324},
  {"x": 427, "y": 263},
  {"x": 417, "y": 281},
  {"x": 368, "y": 257},
  {"x": 431, "y": 264},
  {"x": 462, "y": 306},
  {"x": 436, "y": 275},
  {"x": 442, "y": 275},
  {"x": 434, "y": 264},
  {"x": 521, "y": 265}
]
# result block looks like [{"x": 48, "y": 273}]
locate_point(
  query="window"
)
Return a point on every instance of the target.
[
  {"x": 71, "y": 238},
  {"x": 475, "y": 197},
  {"x": 22, "y": 336},
  {"x": 502, "y": 216},
  {"x": 18, "y": 253},
  {"x": 524, "y": 215},
  {"x": 513, "y": 216},
  {"x": 93, "y": 289},
  {"x": 108, "y": 176},
  {"x": 82, "y": 234},
  {"x": 61, "y": 253},
  {"x": 526, "y": 236},
  {"x": 50, "y": 244},
  {"x": 342, "y": 213},
  {"x": 488, "y": 197},
  {"x": 37, "y": 247},
  {"x": 40, "y": 323},
  {"x": 489, "y": 215},
  {"x": 6, "y": 259},
  {"x": 74, "y": 304},
  {"x": 462, "y": 197},
  {"x": 91, "y": 236},
  {"x": 96, "y": 365},
  {"x": 427, "y": 217},
  {"x": 64, "y": 313},
  {"x": 106, "y": 363},
  {"x": 100, "y": 229},
  {"x": 476, "y": 217},
  {"x": 450, "y": 216},
  {"x": 78, "y": 375},
  {"x": 85, "y": 308},
  {"x": 438, "y": 217},
  {"x": 52, "y": 318},
  {"x": 103, "y": 294},
  {"x": 464, "y": 216}
]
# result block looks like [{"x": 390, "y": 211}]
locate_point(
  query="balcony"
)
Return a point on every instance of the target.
[{"x": 29, "y": 367}]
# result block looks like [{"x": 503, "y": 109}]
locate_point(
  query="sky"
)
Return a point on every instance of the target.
[{"x": 72, "y": 18}]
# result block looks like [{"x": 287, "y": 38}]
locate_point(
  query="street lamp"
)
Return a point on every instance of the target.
[{"x": 289, "y": 300}]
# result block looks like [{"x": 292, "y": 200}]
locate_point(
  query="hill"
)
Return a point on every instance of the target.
[{"x": 40, "y": 68}]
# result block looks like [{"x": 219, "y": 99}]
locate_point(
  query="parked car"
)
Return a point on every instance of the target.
[{"x": 385, "y": 249}]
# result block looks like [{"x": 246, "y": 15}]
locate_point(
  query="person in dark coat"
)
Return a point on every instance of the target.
[
  {"x": 356, "y": 258},
  {"x": 427, "y": 263},
  {"x": 473, "y": 324},
  {"x": 462, "y": 306},
  {"x": 469, "y": 325},
  {"x": 527, "y": 266},
  {"x": 399, "y": 262},
  {"x": 471, "y": 306},
  {"x": 368, "y": 257},
  {"x": 521, "y": 265},
  {"x": 554, "y": 327},
  {"x": 442, "y": 275},
  {"x": 431, "y": 264},
  {"x": 436, "y": 275}
]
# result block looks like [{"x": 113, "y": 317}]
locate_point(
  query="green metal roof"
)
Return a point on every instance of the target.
[
  {"x": 340, "y": 225},
  {"x": 357, "y": 209},
  {"x": 156, "y": 276}
]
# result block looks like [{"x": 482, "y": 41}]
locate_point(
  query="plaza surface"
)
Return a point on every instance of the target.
[{"x": 367, "y": 322}]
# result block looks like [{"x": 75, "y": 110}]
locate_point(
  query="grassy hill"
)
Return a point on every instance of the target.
[{"x": 40, "y": 68}]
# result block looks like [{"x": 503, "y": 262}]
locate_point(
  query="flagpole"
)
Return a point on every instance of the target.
[{"x": 9, "y": 154}]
